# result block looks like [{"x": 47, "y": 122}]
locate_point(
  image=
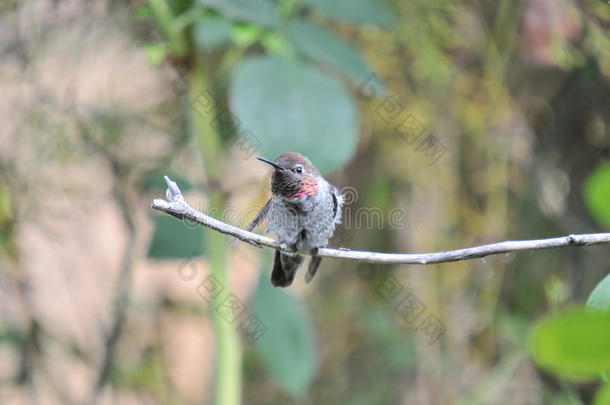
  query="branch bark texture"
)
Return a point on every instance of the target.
[{"x": 176, "y": 206}]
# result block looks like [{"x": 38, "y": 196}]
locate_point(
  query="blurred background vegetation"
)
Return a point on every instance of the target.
[{"x": 448, "y": 124}]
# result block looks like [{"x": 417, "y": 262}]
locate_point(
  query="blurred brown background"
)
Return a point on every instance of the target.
[{"x": 485, "y": 122}]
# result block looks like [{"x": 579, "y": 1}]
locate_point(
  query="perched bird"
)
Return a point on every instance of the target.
[{"x": 303, "y": 212}]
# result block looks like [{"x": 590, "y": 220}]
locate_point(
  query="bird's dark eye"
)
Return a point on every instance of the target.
[{"x": 298, "y": 169}]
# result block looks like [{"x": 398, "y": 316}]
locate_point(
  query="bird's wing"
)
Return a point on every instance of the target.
[
  {"x": 262, "y": 214},
  {"x": 335, "y": 205}
]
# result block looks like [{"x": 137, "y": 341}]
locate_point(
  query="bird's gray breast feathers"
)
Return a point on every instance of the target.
[{"x": 307, "y": 222}]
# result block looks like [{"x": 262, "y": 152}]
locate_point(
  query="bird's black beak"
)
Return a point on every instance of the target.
[{"x": 269, "y": 162}]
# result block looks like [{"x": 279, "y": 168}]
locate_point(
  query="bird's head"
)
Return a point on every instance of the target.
[{"x": 293, "y": 176}]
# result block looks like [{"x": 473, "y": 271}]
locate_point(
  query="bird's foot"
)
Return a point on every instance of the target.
[{"x": 288, "y": 248}]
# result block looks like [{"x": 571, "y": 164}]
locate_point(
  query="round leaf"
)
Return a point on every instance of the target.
[
  {"x": 573, "y": 343},
  {"x": 211, "y": 32},
  {"x": 357, "y": 11},
  {"x": 326, "y": 47},
  {"x": 597, "y": 194},
  {"x": 286, "y": 349},
  {"x": 255, "y": 11},
  {"x": 600, "y": 296},
  {"x": 291, "y": 107}
]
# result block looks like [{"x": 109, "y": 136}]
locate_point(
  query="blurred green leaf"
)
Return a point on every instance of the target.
[
  {"x": 12, "y": 336},
  {"x": 164, "y": 15},
  {"x": 155, "y": 53},
  {"x": 326, "y": 47},
  {"x": 597, "y": 194},
  {"x": 255, "y": 11},
  {"x": 357, "y": 11},
  {"x": 179, "y": 6},
  {"x": 146, "y": 374},
  {"x": 175, "y": 239},
  {"x": 6, "y": 204},
  {"x": 556, "y": 291},
  {"x": 211, "y": 32},
  {"x": 603, "y": 395},
  {"x": 286, "y": 349},
  {"x": 600, "y": 296},
  {"x": 395, "y": 348},
  {"x": 289, "y": 106},
  {"x": 274, "y": 43},
  {"x": 143, "y": 12},
  {"x": 245, "y": 35},
  {"x": 573, "y": 343}
]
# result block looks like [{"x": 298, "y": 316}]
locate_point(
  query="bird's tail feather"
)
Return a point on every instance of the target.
[
  {"x": 314, "y": 263},
  {"x": 285, "y": 266}
]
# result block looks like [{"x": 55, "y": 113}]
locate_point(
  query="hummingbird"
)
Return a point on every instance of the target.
[{"x": 303, "y": 211}]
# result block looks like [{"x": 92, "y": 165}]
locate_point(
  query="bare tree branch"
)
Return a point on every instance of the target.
[{"x": 178, "y": 207}]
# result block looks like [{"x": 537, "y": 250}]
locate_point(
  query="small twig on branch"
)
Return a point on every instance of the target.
[{"x": 178, "y": 207}]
